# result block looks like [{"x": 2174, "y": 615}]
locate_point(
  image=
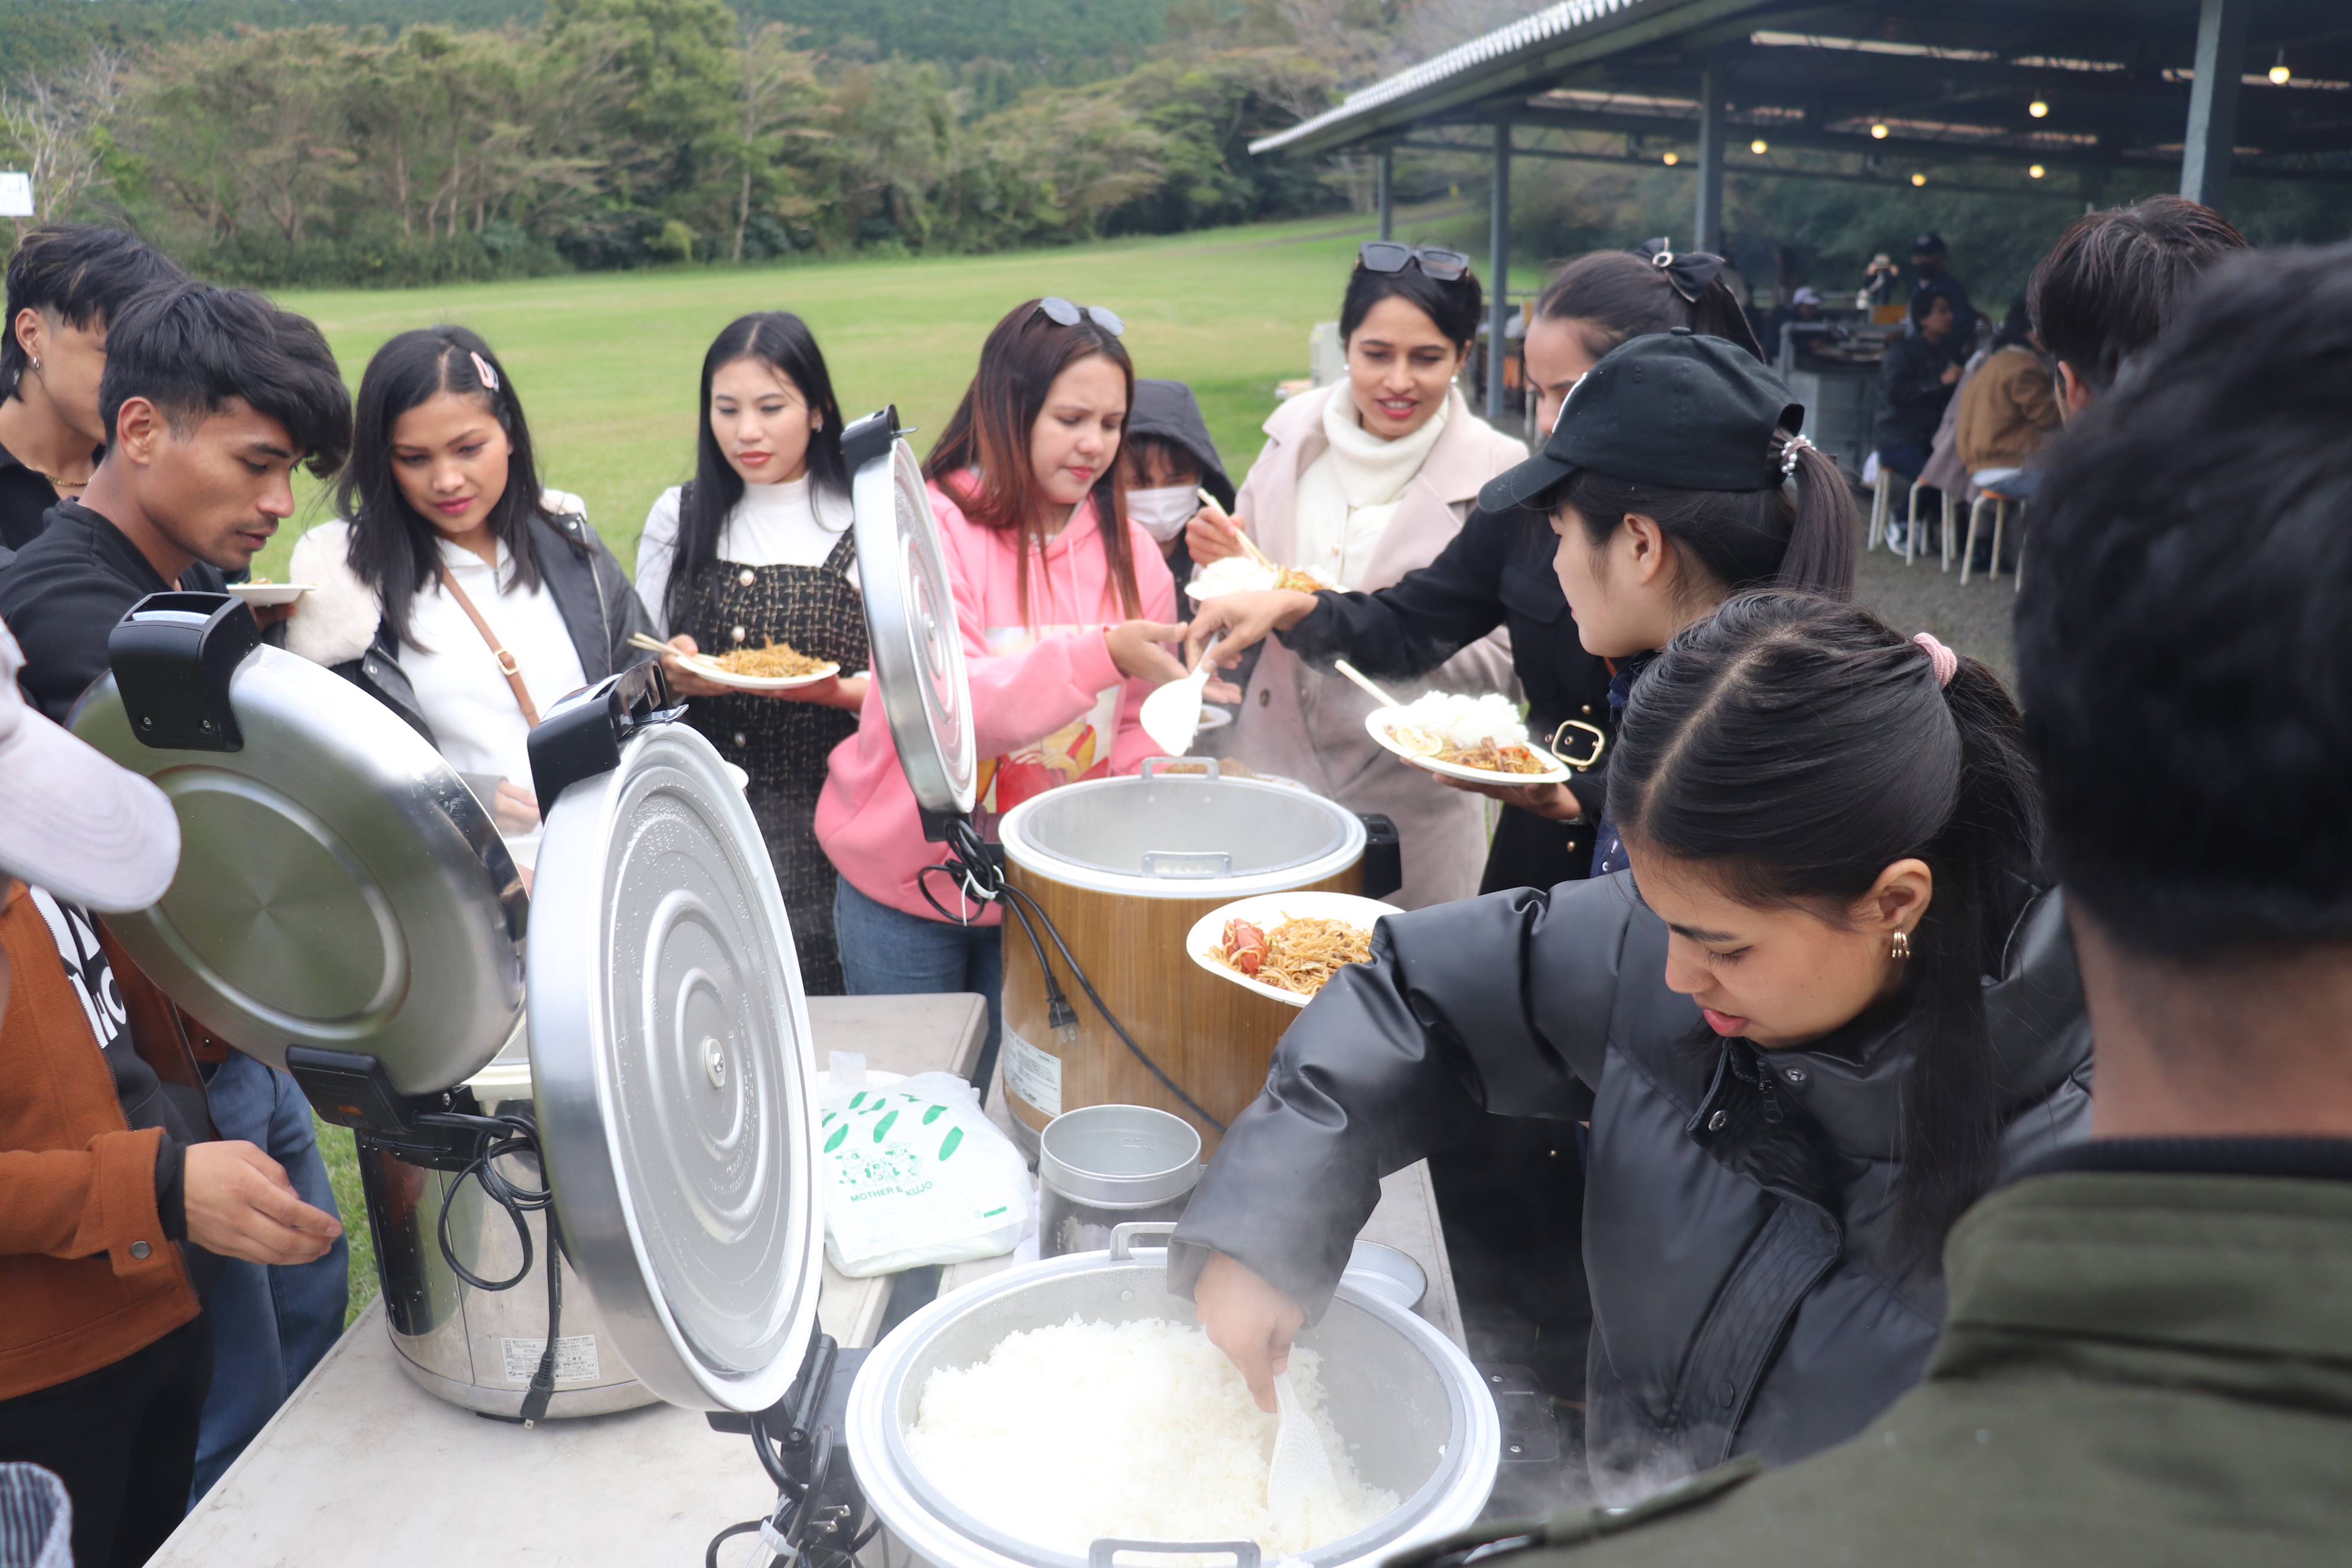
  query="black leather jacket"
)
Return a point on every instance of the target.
[
  {"x": 592, "y": 594},
  {"x": 1747, "y": 1294}
]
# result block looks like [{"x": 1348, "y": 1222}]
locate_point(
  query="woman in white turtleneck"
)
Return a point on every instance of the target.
[
  {"x": 758, "y": 549},
  {"x": 1360, "y": 482}
]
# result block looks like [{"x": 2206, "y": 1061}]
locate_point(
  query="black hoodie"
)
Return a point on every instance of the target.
[{"x": 1167, "y": 411}]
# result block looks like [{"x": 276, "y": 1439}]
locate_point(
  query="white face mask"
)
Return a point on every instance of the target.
[{"x": 1163, "y": 513}]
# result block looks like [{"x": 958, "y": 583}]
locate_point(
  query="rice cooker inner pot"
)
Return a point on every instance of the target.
[{"x": 1185, "y": 825}]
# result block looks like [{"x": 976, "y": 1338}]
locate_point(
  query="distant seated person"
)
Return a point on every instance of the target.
[
  {"x": 1167, "y": 459},
  {"x": 1928, "y": 276},
  {"x": 1914, "y": 382},
  {"x": 2008, "y": 409},
  {"x": 1802, "y": 313}
]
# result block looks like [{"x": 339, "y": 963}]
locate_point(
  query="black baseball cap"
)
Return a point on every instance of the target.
[
  {"x": 1928, "y": 244},
  {"x": 1676, "y": 409}
]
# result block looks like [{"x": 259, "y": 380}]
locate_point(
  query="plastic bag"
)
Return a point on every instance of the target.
[{"x": 915, "y": 1174}]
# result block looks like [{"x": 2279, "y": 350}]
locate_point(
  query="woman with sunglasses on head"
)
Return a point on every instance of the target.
[
  {"x": 1359, "y": 483},
  {"x": 1498, "y": 572},
  {"x": 1828, "y": 1007},
  {"x": 458, "y": 593},
  {"x": 757, "y": 549},
  {"x": 1064, "y": 606}
]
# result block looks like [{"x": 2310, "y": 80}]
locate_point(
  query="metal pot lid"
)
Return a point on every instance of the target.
[
  {"x": 916, "y": 645},
  {"x": 670, "y": 1054},
  {"x": 338, "y": 886}
]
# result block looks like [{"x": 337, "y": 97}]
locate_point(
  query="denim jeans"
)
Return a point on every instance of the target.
[
  {"x": 889, "y": 953},
  {"x": 270, "y": 1325}
]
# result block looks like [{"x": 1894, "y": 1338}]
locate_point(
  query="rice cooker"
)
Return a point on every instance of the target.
[{"x": 344, "y": 908}]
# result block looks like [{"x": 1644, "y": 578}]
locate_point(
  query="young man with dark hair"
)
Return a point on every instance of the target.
[
  {"x": 211, "y": 398},
  {"x": 1931, "y": 274},
  {"x": 2115, "y": 279},
  {"x": 1914, "y": 382},
  {"x": 2145, "y": 1357},
  {"x": 66, "y": 283}
]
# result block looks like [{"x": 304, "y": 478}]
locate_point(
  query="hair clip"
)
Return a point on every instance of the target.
[
  {"x": 482, "y": 369},
  {"x": 1789, "y": 450}
]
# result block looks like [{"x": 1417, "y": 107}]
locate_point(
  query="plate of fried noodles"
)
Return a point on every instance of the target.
[
  {"x": 775, "y": 667},
  {"x": 1286, "y": 946}
]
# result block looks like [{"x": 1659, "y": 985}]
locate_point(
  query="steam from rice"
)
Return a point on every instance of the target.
[{"x": 1141, "y": 1431}]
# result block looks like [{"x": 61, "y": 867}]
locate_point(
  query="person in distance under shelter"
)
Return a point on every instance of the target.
[
  {"x": 65, "y": 283},
  {"x": 2144, "y": 1360},
  {"x": 757, "y": 549},
  {"x": 1063, "y": 603},
  {"x": 119, "y": 1201},
  {"x": 1914, "y": 382},
  {"x": 2008, "y": 409},
  {"x": 211, "y": 398},
  {"x": 1931, "y": 274},
  {"x": 456, "y": 592}
]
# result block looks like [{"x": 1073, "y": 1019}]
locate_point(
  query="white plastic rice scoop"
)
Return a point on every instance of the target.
[
  {"x": 1172, "y": 715},
  {"x": 1302, "y": 1466}
]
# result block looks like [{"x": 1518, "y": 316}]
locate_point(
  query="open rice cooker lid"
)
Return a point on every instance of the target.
[
  {"x": 338, "y": 886},
  {"x": 670, "y": 1053},
  {"x": 1181, "y": 835},
  {"x": 916, "y": 645}
]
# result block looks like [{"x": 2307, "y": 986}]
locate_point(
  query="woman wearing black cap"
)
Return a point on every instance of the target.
[{"x": 1498, "y": 572}]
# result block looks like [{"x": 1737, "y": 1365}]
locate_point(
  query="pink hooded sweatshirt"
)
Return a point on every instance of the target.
[{"x": 1041, "y": 699}]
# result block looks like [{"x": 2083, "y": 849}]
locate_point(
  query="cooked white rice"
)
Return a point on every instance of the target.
[
  {"x": 1467, "y": 722},
  {"x": 1139, "y": 1431}
]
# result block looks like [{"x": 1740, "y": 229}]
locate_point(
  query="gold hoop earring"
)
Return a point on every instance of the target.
[{"x": 1902, "y": 946}]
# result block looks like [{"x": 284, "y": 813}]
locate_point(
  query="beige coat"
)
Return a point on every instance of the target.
[{"x": 1310, "y": 726}]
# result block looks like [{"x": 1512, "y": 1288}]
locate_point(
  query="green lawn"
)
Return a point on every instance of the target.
[{"x": 607, "y": 363}]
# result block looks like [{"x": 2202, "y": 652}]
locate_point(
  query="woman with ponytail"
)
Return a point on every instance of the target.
[
  {"x": 1497, "y": 571},
  {"x": 1827, "y": 1007}
]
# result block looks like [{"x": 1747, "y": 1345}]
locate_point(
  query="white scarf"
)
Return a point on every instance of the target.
[{"x": 1348, "y": 494}]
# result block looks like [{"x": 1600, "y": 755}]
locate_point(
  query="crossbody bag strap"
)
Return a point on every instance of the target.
[{"x": 507, "y": 665}]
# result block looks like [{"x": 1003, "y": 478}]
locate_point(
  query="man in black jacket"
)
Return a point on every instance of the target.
[{"x": 1915, "y": 381}]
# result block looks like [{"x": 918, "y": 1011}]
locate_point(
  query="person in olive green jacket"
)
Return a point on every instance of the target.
[{"x": 2147, "y": 1358}]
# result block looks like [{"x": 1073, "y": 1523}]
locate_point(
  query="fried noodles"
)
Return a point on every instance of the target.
[
  {"x": 777, "y": 661},
  {"x": 1298, "y": 955}
]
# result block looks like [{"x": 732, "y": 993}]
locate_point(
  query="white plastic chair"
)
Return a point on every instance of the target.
[{"x": 2001, "y": 505}]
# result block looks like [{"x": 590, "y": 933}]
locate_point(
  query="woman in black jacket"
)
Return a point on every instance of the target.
[
  {"x": 1826, "y": 1007},
  {"x": 1498, "y": 572},
  {"x": 458, "y": 593}
]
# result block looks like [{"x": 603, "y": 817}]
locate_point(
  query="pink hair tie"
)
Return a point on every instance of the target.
[
  {"x": 482, "y": 368},
  {"x": 1947, "y": 662}
]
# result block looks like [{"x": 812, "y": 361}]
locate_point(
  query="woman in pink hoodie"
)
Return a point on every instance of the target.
[{"x": 1064, "y": 606}]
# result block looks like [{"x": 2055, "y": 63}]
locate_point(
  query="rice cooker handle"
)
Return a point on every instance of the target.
[
  {"x": 1122, "y": 1241},
  {"x": 1243, "y": 1553}
]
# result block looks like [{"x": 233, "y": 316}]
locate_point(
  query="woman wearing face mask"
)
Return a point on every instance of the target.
[
  {"x": 1822, "y": 1013},
  {"x": 1166, "y": 459},
  {"x": 1498, "y": 572},
  {"x": 757, "y": 549},
  {"x": 459, "y": 593},
  {"x": 1064, "y": 606},
  {"x": 1360, "y": 482}
]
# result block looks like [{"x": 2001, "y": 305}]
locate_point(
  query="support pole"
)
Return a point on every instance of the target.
[
  {"x": 2206, "y": 157},
  {"x": 1384, "y": 186},
  {"x": 1498, "y": 270},
  {"x": 1707, "y": 223}
]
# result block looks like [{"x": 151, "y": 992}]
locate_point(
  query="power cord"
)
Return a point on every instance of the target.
[
  {"x": 497, "y": 1138},
  {"x": 982, "y": 878}
]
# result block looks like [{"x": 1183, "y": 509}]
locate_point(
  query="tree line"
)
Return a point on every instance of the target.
[{"x": 615, "y": 133}]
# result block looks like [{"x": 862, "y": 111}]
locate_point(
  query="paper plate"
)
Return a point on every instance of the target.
[
  {"x": 724, "y": 676},
  {"x": 269, "y": 593},
  {"x": 1267, "y": 910},
  {"x": 1214, "y": 718},
  {"x": 1376, "y": 724}
]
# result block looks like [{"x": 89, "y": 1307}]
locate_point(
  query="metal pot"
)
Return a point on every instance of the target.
[
  {"x": 1415, "y": 1413},
  {"x": 1102, "y": 1166}
]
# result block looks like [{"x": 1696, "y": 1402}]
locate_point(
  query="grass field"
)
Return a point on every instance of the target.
[{"x": 607, "y": 364}]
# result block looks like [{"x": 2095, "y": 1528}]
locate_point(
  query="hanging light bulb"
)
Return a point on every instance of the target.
[
  {"x": 1759, "y": 147},
  {"x": 1918, "y": 179},
  {"x": 2039, "y": 109},
  {"x": 1672, "y": 159},
  {"x": 2035, "y": 171},
  {"x": 1878, "y": 131},
  {"x": 2279, "y": 75}
]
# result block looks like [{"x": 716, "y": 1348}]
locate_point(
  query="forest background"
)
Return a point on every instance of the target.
[{"x": 390, "y": 142}]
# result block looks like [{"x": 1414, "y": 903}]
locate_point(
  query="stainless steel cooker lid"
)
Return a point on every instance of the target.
[
  {"x": 1181, "y": 826},
  {"x": 911, "y": 617},
  {"x": 338, "y": 886},
  {"x": 669, "y": 1050}
]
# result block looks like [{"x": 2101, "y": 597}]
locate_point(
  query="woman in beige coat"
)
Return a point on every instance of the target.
[{"x": 1360, "y": 482}]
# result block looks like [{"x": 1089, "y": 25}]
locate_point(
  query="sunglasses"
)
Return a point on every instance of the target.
[
  {"x": 1391, "y": 255},
  {"x": 1062, "y": 313}
]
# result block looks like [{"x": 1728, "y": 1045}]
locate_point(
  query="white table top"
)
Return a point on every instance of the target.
[{"x": 362, "y": 1468}]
